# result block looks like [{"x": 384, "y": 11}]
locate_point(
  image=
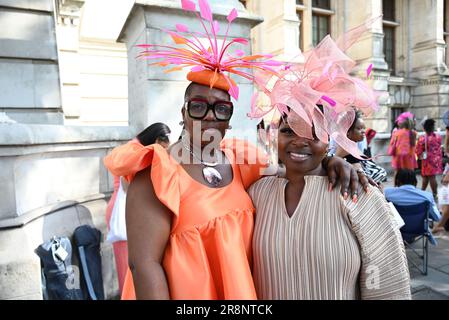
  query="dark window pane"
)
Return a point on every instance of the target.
[
  {"x": 389, "y": 46},
  {"x": 323, "y": 4},
  {"x": 320, "y": 28},
  {"x": 315, "y": 30},
  {"x": 299, "y": 2},
  {"x": 395, "y": 112},
  {"x": 445, "y": 22},
  {"x": 301, "y": 45},
  {"x": 388, "y": 8},
  {"x": 324, "y": 28}
]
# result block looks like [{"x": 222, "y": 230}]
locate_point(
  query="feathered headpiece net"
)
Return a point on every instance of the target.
[
  {"x": 323, "y": 79},
  {"x": 209, "y": 64}
]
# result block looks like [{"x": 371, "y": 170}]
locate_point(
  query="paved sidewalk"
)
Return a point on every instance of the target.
[{"x": 435, "y": 285}]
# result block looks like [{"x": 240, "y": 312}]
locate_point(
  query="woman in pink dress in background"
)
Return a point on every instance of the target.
[
  {"x": 156, "y": 133},
  {"x": 403, "y": 143},
  {"x": 429, "y": 150}
]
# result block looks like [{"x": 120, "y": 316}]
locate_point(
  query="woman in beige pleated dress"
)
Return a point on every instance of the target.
[{"x": 313, "y": 244}]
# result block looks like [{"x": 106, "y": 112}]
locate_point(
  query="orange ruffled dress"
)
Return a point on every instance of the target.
[{"x": 208, "y": 255}]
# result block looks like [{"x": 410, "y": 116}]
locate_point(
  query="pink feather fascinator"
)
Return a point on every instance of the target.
[
  {"x": 209, "y": 62},
  {"x": 320, "y": 96}
]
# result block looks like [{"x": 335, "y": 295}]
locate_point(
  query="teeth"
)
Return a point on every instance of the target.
[{"x": 299, "y": 155}]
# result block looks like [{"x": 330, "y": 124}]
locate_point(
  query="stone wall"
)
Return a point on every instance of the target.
[
  {"x": 52, "y": 178},
  {"x": 52, "y": 181},
  {"x": 29, "y": 62}
]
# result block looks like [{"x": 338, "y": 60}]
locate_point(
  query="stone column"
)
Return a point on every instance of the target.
[
  {"x": 67, "y": 32},
  {"x": 155, "y": 96},
  {"x": 431, "y": 96},
  {"x": 428, "y": 42},
  {"x": 369, "y": 50},
  {"x": 279, "y": 35}
]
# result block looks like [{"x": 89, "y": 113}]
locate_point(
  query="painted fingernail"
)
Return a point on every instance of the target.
[
  {"x": 354, "y": 198},
  {"x": 330, "y": 187},
  {"x": 345, "y": 196}
]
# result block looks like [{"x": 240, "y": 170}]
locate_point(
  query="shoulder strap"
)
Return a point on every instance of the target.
[{"x": 90, "y": 286}]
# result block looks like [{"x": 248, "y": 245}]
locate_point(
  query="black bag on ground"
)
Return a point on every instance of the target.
[
  {"x": 87, "y": 242},
  {"x": 59, "y": 281}
]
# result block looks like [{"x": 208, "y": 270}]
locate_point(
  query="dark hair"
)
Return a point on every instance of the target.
[
  {"x": 154, "y": 132},
  {"x": 191, "y": 86},
  {"x": 408, "y": 125},
  {"x": 405, "y": 176},
  {"x": 429, "y": 126},
  {"x": 358, "y": 115},
  {"x": 188, "y": 90}
]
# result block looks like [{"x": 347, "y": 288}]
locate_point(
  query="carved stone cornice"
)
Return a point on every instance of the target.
[{"x": 68, "y": 12}]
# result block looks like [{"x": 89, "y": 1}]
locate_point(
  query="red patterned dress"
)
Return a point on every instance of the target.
[{"x": 433, "y": 164}]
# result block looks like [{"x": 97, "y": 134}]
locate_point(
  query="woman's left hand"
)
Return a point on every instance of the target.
[{"x": 350, "y": 179}]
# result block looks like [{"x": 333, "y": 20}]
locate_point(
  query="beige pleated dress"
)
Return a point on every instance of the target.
[{"x": 329, "y": 248}]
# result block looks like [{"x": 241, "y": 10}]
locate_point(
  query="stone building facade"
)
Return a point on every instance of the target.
[
  {"x": 71, "y": 89},
  {"x": 407, "y": 47}
]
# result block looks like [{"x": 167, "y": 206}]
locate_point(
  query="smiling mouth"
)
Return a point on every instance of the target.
[{"x": 299, "y": 156}]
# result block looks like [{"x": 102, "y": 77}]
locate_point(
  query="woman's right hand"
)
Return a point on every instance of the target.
[{"x": 350, "y": 180}]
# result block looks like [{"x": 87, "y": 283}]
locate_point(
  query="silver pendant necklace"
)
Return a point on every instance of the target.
[{"x": 210, "y": 174}]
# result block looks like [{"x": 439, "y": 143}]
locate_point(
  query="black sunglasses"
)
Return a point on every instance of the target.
[{"x": 198, "y": 108}]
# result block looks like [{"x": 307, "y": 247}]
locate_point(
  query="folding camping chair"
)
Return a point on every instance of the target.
[{"x": 416, "y": 218}]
